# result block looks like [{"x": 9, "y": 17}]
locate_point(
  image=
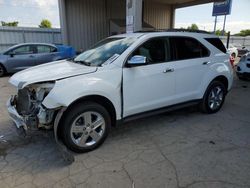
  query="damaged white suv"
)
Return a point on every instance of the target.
[{"x": 121, "y": 78}]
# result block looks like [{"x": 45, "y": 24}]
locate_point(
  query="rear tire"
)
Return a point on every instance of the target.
[
  {"x": 2, "y": 70},
  {"x": 85, "y": 127},
  {"x": 213, "y": 98}
]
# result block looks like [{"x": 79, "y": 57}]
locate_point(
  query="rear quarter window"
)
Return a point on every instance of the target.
[{"x": 216, "y": 42}]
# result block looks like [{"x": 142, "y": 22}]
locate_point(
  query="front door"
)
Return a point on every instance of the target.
[
  {"x": 149, "y": 86},
  {"x": 21, "y": 58}
]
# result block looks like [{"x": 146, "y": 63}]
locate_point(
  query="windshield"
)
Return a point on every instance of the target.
[{"x": 104, "y": 50}]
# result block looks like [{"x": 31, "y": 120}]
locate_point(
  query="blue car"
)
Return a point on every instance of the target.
[{"x": 26, "y": 55}]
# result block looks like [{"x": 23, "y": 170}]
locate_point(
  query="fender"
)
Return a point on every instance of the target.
[
  {"x": 66, "y": 91},
  {"x": 215, "y": 70}
]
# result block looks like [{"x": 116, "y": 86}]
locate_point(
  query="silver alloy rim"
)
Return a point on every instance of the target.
[
  {"x": 87, "y": 129},
  {"x": 215, "y": 98}
]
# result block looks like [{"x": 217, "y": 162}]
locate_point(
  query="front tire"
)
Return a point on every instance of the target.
[
  {"x": 213, "y": 98},
  {"x": 2, "y": 70},
  {"x": 242, "y": 78},
  {"x": 85, "y": 127}
]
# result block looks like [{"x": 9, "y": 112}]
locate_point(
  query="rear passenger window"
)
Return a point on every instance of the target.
[
  {"x": 216, "y": 42},
  {"x": 187, "y": 48},
  {"x": 45, "y": 49}
]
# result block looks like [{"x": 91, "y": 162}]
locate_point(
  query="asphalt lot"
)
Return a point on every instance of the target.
[{"x": 181, "y": 149}]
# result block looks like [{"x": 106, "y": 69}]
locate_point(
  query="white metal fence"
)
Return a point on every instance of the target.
[
  {"x": 244, "y": 41},
  {"x": 10, "y": 36}
]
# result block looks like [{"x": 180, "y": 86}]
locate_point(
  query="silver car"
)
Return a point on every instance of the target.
[{"x": 22, "y": 56}]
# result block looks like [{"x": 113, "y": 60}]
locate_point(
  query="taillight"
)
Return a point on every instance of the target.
[{"x": 231, "y": 61}]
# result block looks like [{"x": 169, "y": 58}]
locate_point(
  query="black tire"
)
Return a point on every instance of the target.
[
  {"x": 205, "y": 104},
  {"x": 242, "y": 78},
  {"x": 72, "y": 116},
  {"x": 2, "y": 70}
]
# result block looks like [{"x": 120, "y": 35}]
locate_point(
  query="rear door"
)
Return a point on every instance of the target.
[
  {"x": 191, "y": 64},
  {"x": 45, "y": 54}
]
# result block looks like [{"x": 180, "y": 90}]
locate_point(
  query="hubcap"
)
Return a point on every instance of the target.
[
  {"x": 87, "y": 129},
  {"x": 215, "y": 98}
]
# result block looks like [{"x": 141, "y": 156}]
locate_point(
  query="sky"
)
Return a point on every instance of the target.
[
  {"x": 31, "y": 12},
  {"x": 202, "y": 16}
]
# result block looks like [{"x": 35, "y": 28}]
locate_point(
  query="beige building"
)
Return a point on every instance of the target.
[{"x": 84, "y": 22}]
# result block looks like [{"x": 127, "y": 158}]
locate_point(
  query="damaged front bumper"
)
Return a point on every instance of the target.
[
  {"x": 29, "y": 122},
  {"x": 23, "y": 126},
  {"x": 15, "y": 116}
]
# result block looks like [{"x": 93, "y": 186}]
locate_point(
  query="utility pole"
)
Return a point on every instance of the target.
[
  {"x": 215, "y": 22},
  {"x": 224, "y": 24}
]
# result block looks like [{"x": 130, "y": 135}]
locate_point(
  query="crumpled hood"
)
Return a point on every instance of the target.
[{"x": 49, "y": 72}]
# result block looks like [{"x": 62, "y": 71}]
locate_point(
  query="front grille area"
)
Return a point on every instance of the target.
[{"x": 23, "y": 103}]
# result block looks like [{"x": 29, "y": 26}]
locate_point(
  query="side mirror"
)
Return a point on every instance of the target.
[
  {"x": 12, "y": 54},
  {"x": 137, "y": 60},
  {"x": 243, "y": 47}
]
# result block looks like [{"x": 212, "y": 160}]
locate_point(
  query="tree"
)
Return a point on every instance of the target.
[
  {"x": 220, "y": 32},
  {"x": 45, "y": 24},
  {"x": 193, "y": 27},
  {"x": 11, "y": 24},
  {"x": 243, "y": 33}
]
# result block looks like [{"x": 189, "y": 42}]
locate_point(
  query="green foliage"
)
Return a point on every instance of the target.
[
  {"x": 193, "y": 27},
  {"x": 11, "y": 24},
  {"x": 220, "y": 32},
  {"x": 45, "y": 24},
  {"x": 243, "y": 33}
]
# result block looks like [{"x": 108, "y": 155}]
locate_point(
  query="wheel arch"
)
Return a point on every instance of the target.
[
  {"x": 105, "y": 102},
  {"x": 222, "y": 79},
  {"x": 1, "y": 64}
]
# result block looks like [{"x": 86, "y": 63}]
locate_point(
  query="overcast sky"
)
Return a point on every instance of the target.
[{"x": 31, "y": 12}]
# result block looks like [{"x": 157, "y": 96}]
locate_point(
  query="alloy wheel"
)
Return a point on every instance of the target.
[
  {"x": 215, "y": 98},
  {"x": 87, "y": 129}
]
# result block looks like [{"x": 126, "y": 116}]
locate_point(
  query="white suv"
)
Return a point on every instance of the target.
[{"x": 121, "y": 78}]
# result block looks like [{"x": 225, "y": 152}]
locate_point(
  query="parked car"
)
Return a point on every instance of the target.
[
  {"x": 242, "y": 50},
  {"x": 243, "y": 67},
  {"x": 232, "y": 50},
  {"x": 26, "y": 55},
  {"x": 122, "y": 78}
]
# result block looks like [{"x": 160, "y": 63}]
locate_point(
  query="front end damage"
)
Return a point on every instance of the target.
[
  {"x": 28, "y": 113},
  {"x": 26, "y": 107}
]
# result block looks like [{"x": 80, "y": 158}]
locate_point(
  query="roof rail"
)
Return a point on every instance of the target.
[
  {"x": 187, "y": 30},
  {"x": 174, "y": 30}
]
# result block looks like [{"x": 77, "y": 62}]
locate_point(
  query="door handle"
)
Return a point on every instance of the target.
[
  {"x": 206, "y": 63},
  {"x": 168, "y": 70},
  {"x": 32, "y": 56}
]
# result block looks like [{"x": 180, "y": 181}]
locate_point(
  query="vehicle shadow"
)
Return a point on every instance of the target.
[{"x": 38, "y": 151}]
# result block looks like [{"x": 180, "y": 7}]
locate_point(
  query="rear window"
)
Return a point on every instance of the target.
[{"x": 216, "y": 42}]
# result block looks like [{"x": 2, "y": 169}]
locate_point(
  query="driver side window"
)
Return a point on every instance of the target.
[
  {"x": 153, "y": 50},
  {"x": 22, "y": 50}
]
